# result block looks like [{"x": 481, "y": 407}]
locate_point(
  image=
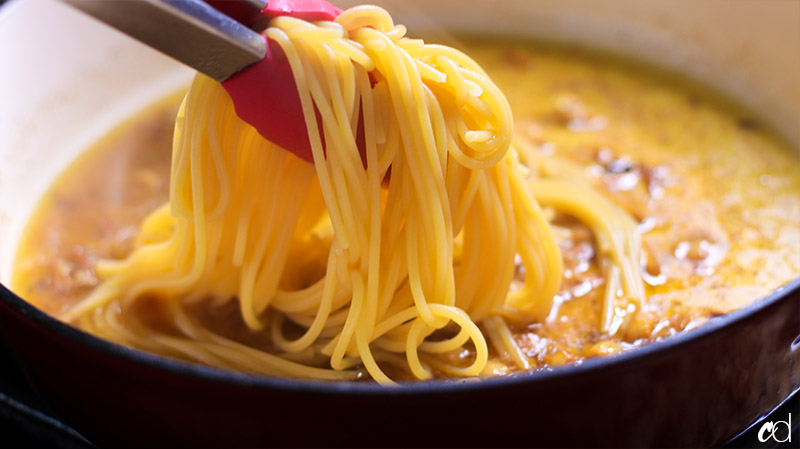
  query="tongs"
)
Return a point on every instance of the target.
[{"x": 217, "y": 38}]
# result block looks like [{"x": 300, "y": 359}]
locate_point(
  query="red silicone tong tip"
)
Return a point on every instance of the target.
[
  {"x": 310, "y": 10},
  {"x": 265, "y": 93},
  {"x": 265, "y": 96}
]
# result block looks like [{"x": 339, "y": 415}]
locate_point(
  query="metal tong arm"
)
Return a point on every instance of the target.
[{"x": 190, "y": 31}]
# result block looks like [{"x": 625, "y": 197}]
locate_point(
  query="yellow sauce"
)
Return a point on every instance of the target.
[{"x": 717, "y": 196}]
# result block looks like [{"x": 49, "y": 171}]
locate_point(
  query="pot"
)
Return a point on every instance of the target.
[{"x": 66, "y": 80}]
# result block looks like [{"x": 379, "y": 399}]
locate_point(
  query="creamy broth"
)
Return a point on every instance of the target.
[{"x": 716, "y": 194}]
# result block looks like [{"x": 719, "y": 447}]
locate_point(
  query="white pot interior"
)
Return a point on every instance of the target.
[{"x": 66, "y": 80}]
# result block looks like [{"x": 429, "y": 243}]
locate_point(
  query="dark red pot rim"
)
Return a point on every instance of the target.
[{"x": 201, "y": 372}]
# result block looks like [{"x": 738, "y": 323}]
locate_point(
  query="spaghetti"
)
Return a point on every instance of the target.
[{"x": 350, "y": 267}]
